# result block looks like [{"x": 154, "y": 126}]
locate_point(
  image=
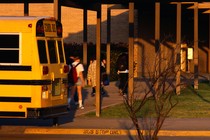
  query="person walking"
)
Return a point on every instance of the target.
[
  {"x": 103, "y": 74},
  {"x": 91, "y": 75},
  {"x": 70, "y": 60},
  {"x": 122, "y": 71},
  {"x": 79, "y": 84}
]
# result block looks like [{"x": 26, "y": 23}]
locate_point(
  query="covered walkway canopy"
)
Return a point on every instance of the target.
[{"x": 95, "y": 5}]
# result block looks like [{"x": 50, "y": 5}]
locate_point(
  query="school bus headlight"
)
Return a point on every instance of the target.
[
  {"x": 45, "y": 92},
  {"x": 44, "y": 95}
]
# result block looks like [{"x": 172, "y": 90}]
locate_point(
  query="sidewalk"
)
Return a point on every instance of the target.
[{"x": 111, "y": 98}]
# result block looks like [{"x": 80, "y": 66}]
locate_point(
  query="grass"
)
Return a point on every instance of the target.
[{"x": 191, "y": 104}]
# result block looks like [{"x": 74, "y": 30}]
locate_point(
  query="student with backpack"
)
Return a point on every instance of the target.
[
  {"x": 70, "y": 60},
  {"x": 76, "y": 79},
  {"x": 122, "y": 71}
]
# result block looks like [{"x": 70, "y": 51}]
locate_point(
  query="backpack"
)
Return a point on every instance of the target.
[{"x": 72, "y": 75}]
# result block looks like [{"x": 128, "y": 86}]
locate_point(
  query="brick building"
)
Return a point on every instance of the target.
[{"x": 144, "y": 46}]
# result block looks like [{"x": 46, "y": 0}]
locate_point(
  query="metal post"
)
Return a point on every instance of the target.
[
  {"x": 26, "y": 9},
  {"x": 178, "y": 49},
  {"x": 57, "y": 9},
  {"x": 157, "y": 39},
  {"x": 85, "y": 41},
  {"x": 108, "y": 46},
  {"x": 209, "y": 51},
  {"x": 157, "y": 25},
  {"x": 98, "y": 64},
  {"x": 196, "y": 46},
  {"x": 131, "y": 50}
]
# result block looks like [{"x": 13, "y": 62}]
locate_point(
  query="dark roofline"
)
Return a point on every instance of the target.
[{"x": 95, "y": 4}]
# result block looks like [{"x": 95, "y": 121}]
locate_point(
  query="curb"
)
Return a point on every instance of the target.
[{"x": 113, "y": 132}]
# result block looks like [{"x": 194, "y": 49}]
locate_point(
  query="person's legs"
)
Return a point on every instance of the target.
[
  {"x": 76, "y": 97},
  {"x": 124, "y": 82},
  {"x": 71, "y": 96},
  {"x": 121, "y": 84},
  {"x": 79, "y": 92},
  {"x": 102, "y": 90},
  {"x": 93, "y": 91}
]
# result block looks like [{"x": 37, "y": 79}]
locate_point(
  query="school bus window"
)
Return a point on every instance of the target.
[
  {"x": 9, "y": 48},
  {"x": 60, "y": 52},
  {"x": 42, "y": 51},
  {"x": 52, "y": 51},
  {"x": 10, "y": 56}
]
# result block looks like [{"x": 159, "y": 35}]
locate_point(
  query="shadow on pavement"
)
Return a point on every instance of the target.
[{"x": 111, "y": 97}]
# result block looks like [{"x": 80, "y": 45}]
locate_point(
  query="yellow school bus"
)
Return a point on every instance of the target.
[{"x": 33, "y": 70}]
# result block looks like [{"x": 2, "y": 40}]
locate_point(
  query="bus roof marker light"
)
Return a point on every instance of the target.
[
  {"x": 30, "y": 25},
  {"x": 20, "y": 106}
]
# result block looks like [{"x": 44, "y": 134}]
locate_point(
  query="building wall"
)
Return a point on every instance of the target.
[{"x": 72, "y": 20}]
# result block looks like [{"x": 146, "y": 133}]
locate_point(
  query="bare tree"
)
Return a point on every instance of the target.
[{"x": 159, "y": 91}]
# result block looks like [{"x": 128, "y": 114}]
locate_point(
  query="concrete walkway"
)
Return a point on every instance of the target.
[{"x": 110, "y": 98}]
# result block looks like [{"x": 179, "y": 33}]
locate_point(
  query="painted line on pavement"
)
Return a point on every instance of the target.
[{"x": 67, "y": 131}]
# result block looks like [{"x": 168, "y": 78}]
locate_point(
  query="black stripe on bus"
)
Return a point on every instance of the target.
[
  {"x": 15, "y": 68},
  {"x": 12, "y": 114},
  {"x": 25, "y": 82},
  {"x": 15, "y": 99}
]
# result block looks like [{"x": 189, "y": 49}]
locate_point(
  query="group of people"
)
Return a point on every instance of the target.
[
  {"x": 74, "y": 61},
  {"x": 122, "y": 71}
]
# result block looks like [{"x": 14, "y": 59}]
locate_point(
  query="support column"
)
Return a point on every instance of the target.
[
  {"x": 157, "y": 26},
  {"x": 195, "y": 46},
  {"x": 57, "y": 9},
  {"x": 209, "y": 50},
  {"x": 157, "y": 40},
  {"x": 139, "y": 56},
  {"x": 98, "y": 64},
  {"x": 131, "y": 51},
  {"x": 26, "y": 8},
  {"x": 85, "y": 42},
  {"x": 108, "y": 43},
  {"x": 178, "y": 48}
]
